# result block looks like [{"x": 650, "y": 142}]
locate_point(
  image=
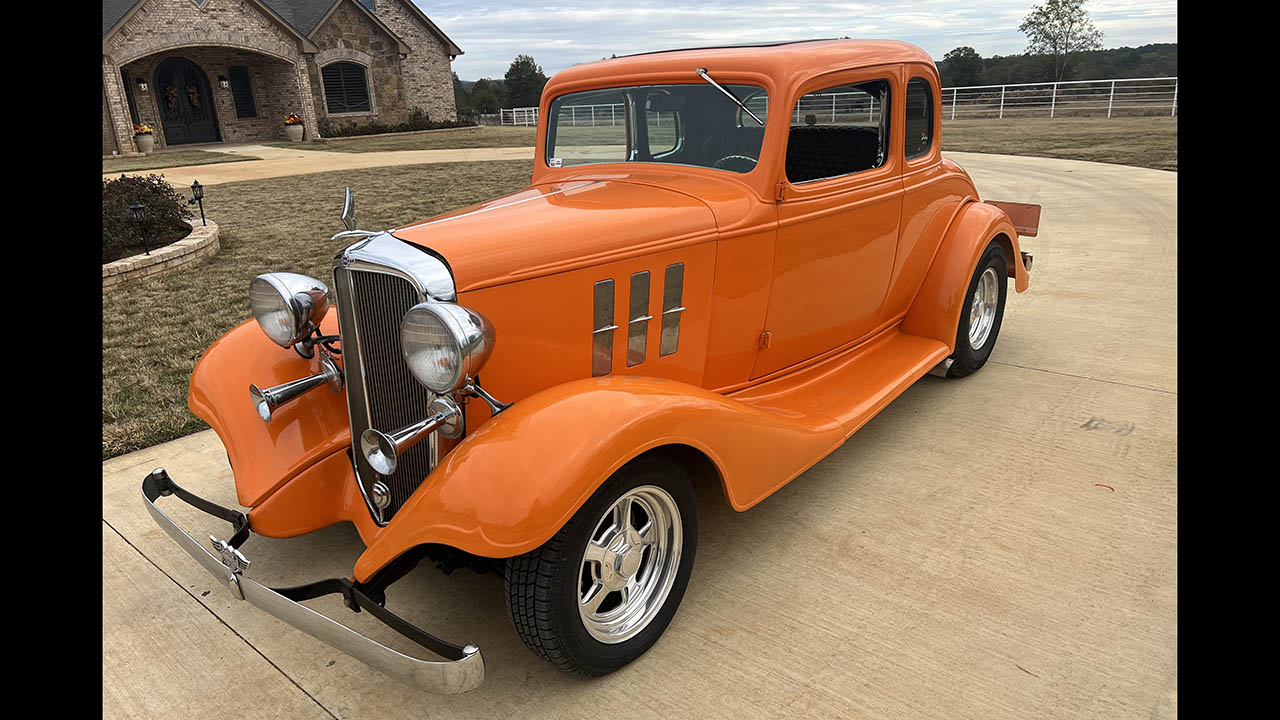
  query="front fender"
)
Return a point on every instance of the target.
[
  {"x": 513, "y": 483},
  {"x": 264, "y": 456},
  {"x": 935, "y": 312}
]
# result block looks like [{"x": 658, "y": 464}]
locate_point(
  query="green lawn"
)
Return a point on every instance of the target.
[
  {"x": 1142, "y": 141},
  {"x": 484, "y": 136},
  {"x": 152, "y": 333},
  {"x": 175, "y": 158}
]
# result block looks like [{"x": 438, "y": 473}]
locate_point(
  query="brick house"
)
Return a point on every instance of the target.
[{"x": 229, "y": 70}]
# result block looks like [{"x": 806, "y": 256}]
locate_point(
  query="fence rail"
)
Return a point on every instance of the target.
[{"x": 1070, "y": 98}]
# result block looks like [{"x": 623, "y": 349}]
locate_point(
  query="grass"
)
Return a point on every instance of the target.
[
  {"x": 484, "y": 136},
  {"x": 176, "y": 158},
  {"x": 1142, "y": 141},
  {"x": 1150, "y": 142},
  {"x": 153, "y": 333}
]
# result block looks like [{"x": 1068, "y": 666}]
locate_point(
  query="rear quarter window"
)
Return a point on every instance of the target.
[{"x": 918, "y": 131}]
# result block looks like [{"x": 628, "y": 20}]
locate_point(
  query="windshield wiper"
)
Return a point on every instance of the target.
[{"x": 721, "y": 88}]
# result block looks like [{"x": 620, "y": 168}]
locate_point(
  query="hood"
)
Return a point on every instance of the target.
[{"x": 559, "y": 227}]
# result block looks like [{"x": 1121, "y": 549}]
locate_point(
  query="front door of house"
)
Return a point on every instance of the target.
[{"x": 186, "y": 103}]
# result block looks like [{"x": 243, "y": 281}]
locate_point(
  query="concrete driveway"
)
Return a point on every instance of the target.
[{"x": 1002, "y": 546}]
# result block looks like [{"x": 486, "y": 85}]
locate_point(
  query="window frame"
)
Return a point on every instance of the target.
[
  {"x": 368, "y": 89},
  {"x": 889, "y": 73},
  {"x": 933, "y": 117},
  {"x": 635, "y": 112},
  {"x": 253, "y": 98}
]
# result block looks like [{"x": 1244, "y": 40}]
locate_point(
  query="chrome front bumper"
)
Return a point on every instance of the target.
[{"x": 462, "y": 671}]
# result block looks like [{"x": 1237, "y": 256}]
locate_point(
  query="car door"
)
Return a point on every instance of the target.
[{"x": 840, "y": 202}]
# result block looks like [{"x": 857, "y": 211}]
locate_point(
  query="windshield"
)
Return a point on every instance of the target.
[{"x": 676, "y": 124}]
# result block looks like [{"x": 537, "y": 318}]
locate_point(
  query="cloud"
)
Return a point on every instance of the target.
[{"x": 560, "y": 33}]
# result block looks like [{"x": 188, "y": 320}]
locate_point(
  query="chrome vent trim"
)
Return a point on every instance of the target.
[{"x": 376, "y": 281}]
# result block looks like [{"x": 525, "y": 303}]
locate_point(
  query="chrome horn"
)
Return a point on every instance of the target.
[
  {"x": 265, "y": 401},
  {"x": 382, "y": 449}
]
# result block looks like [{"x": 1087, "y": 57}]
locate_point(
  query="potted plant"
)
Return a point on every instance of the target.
[
  {"x": 293, "y": 126},
  {"x": 144, "y": 137}
]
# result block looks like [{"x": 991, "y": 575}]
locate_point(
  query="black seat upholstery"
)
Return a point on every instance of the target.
[{"x": 823, "y": 151}]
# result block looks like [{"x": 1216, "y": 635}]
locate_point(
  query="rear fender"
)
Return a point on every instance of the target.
[
  {"x": 266, "y": 455},
  {"x": 935, "y": 312},
  {"x": 513, "y": 483}
]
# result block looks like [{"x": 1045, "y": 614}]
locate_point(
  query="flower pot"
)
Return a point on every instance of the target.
[
  {"x": 146, "y": 143},
  {"x": 295, "y": 132}
]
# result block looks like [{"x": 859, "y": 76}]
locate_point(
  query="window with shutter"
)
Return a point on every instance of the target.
[
  {"x": 242, "y": 93},
  {"x": 346, "y": 88}
]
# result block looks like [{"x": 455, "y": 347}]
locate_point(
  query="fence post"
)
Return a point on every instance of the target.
[
  {"x": 1054, "y": 103},
  {"x": 1174, "y": 110},
  {"x": 953, "y": 103},
  {"x": 1112, "y": 98},
  {"x": 1002, "y": 88}
]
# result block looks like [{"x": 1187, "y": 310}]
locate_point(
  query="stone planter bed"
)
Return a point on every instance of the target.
[
  {"x": 464, "y": 128},
  {"x": 199, "y": 244}
]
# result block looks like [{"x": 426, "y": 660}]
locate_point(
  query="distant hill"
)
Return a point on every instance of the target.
[
  {"x": 468, "y": 84},
  {"x": 1156, "y": 60}
]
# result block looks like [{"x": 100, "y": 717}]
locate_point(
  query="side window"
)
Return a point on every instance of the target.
[
  {"x": 662, "y": 121},
  {"x": 242, "y": 92},
  {"x": 919, "y": 125},
  {"x": 839, "y": 130}
]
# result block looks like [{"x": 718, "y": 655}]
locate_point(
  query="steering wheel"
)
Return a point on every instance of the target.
[{"x": 736, "y": 163}]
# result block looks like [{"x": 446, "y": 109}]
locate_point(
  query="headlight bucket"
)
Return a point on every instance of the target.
[
  {"x": 288, "y": 306},
  {"x": 444, "y": 344}
]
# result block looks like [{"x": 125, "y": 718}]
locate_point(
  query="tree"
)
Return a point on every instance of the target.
[
  {"x": 1060, "y": 28},
  {"x": 486, "y": 96},
  {"x": 461, "y": 98},
  {"x": 524, "y": 81},
  {"x": 962, "y": 66}
]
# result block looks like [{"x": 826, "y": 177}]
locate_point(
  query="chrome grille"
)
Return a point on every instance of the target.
[{"x": 381, "y": 392}]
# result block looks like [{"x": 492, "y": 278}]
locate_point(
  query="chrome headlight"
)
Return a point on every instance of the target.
[
  {"x": 288, "y": 306},
  {"x": 444, "y": 344}
]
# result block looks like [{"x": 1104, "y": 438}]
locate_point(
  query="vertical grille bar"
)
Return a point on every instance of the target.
[{"x": 382, "y": 393}]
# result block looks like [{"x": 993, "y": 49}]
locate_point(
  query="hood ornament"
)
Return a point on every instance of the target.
[
  {"x": 349, "y": 219},
  {"x": 349, "y": 211}
]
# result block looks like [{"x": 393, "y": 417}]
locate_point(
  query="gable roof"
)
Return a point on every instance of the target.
[{"x": 302, "y": 16}]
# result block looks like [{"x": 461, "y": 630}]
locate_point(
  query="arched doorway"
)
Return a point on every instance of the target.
[{"x": 186, "y": 103}]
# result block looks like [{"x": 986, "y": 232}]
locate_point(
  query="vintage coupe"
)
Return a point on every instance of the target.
[{"x": 726, "y": 262}]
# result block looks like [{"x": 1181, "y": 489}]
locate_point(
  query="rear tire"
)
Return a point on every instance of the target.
[
  {"x": 591, "y": 610},
  {"x": 982, "y": 314}
]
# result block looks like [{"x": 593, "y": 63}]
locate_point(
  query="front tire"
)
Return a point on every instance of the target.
[
  {"x": 602, "y": 590},
  {"x": 984, "y": 311}
]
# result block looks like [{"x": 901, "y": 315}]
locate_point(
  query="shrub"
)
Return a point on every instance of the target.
[
  {"x": 418, "y": 120},
  {"x": 167, "y": 211}
]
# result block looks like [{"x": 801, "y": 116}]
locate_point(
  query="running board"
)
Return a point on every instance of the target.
[{"x": 853, "y": 386}]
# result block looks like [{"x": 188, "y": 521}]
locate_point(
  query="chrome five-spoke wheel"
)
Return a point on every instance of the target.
[
  {"x": 982, "y": 309},
  {"x": 629, "y": 564},
  {"x": 601, "y": 591},
  {"x": 979, "y": 327}
]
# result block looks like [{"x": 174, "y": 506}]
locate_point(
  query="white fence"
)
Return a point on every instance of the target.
[{"x": 1074, "y": 98}]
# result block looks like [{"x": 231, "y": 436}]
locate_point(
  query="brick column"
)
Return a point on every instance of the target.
[
  {"x": 118, "y": 106},
  {"x": 307, "y": 99}
]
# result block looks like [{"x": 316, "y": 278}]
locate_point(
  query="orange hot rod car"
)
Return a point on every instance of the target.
[{"x": 726, "y": 262}]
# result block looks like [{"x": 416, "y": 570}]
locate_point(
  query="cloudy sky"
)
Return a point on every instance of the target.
[{"x": 560, "y": 33}]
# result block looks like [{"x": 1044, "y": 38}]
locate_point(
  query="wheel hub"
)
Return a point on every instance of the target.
[{"x": 629, "y": 564}]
